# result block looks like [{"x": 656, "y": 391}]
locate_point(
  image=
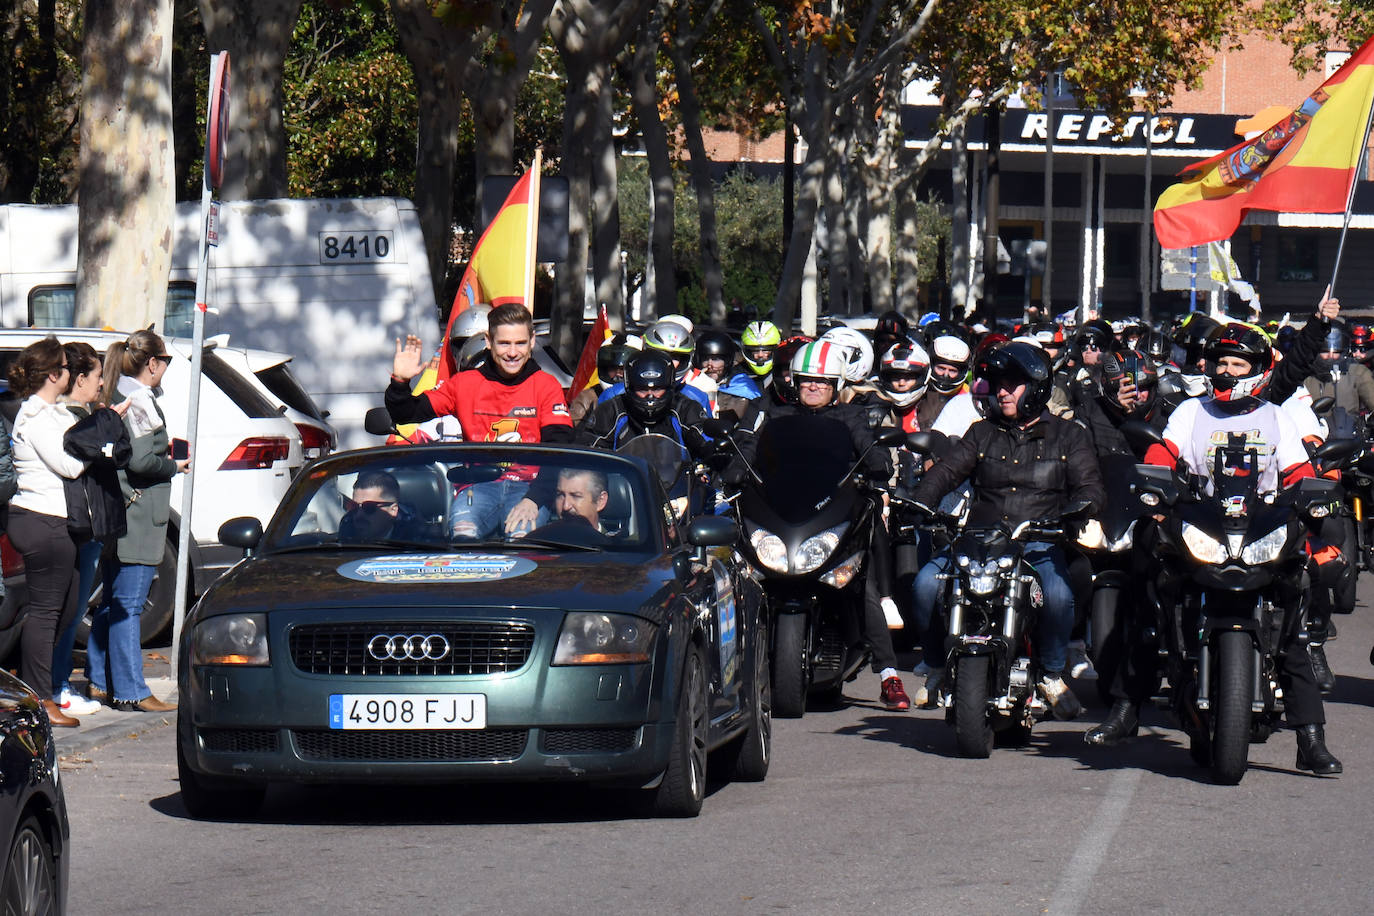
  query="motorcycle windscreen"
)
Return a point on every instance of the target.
[
  {"x": 666, "y": 456},
  {"x": 801, "y": 460}
]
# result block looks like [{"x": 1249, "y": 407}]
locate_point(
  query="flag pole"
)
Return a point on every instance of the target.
[
  {"x": 1350, "y": 197},
  {"x": 532, "y": 229}
]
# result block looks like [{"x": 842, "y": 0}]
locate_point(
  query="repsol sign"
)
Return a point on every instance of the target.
[{"x": 1174, "y": 132}]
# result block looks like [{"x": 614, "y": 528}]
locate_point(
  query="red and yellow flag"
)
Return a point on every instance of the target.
[
  {"x": 585, "y": 375},
  {"x": 501, "y": 268},
  {"x": 1303, "y": 164}
]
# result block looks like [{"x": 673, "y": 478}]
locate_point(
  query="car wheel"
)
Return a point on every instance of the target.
[
  {"x": 205, "y": 800},
  {"x": 754, "y": 749},
  {"x": 157, "y": 609},
  {"x": 30, "y": 886},
  {"x": 683, "y": 788}
]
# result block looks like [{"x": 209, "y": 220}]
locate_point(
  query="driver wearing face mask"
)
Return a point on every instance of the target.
[{"x": 375, "y": 511}]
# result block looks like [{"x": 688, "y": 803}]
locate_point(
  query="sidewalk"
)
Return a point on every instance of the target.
[{"x": 108, "y": 724}]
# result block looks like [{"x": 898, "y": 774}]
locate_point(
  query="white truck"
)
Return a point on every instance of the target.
[{"x": 333, "y": 282}]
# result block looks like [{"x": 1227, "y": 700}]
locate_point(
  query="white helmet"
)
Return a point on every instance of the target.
[
  {"x": 820, "y": 359},
  {"x": 904, "y": 359},
  {"x": 470, "y": 322},
  {"x": 859, "y": 362}
]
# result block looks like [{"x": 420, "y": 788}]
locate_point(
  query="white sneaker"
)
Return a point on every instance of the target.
[
  {"x": 1080, "y": 666},
  {"x": 929, "y": 694},
  {"x": 894, "y": 616},
  {"x": 74, "y": 704}
]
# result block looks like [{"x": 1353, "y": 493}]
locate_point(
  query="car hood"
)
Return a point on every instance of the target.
[{"x": 355, "y": 579}]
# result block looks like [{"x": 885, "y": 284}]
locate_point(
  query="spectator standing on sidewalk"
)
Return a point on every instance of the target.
[
  {"x": 95, "y": 503},
  {"x": 114, "y": 654},
  {"x": 38, "y": 512}
]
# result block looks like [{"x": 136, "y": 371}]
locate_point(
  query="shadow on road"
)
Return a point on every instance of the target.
[{"x": 423, "y": 804}]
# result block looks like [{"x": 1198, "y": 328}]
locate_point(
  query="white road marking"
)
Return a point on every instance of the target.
[{"x": 1076, "y": 881}]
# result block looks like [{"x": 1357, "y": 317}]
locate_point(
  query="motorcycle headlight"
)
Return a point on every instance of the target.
[
  {"x": 1266, "y": 549},
  {"x": 844, "y": 573},
  {"x": 1202, "y": 545},
  {"x": 1123, "y": 542},
  {"x": 769, "y": 548},
  {"x": 815, "y": 550},
  {"x": 983, "y": 578},
  {"x": 603, "y": 639},
  {"x": 230, "y": 639}
]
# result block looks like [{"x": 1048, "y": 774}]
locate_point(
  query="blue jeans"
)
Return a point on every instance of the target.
[
  {"x": 87, "y": 562},
  {"x": 1056, "y": 617},
  {"x": 114, "y": 647},
  {"x": 484, "y": 507}
]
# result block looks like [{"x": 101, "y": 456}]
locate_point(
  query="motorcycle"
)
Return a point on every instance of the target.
[
  {"x": 992, "y": 603},
  {"x": 807, "y": 525},
  {"x": 1229, "y": 589}
]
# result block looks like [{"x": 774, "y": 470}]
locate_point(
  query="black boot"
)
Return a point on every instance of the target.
[
  {"x": 1321, "y": 669},
  {"x": 1312, "y": 752},
  {"x": 1121, "y": 722}
]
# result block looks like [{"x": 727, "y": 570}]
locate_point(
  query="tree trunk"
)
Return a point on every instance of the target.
[
  {"x": 799, "y": 245},
  {"x": 128, "y": 171},
  {"x": 878, "y": 243},
  {"x": 257, "y": 35},
  {"x": 689, "y": 107},
  {"x": 602, "y": 155},
  {"x": 906, "y": 254},
  {"x": 641, "y": 74},
  {"x": 439, "y": 57},
  {"x": 992, "y": 203},
  {"x": 959, "y": 219},
  {"x": 571, "y": 294},
  {"x": 836, "y": 230}
]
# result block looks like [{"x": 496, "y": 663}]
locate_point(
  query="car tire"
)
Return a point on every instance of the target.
[
  {"x": 204, "y": 800},
  {"x": 753, "y": 750},
  {"x": 157, "y": 609},
  {"x": 30, "y": 885},
  {"x": 683, "y": 788}
]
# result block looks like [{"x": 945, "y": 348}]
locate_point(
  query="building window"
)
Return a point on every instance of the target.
[
  {"x": 1297, "y": 257},
  {"x": 1122, "y": 252}
]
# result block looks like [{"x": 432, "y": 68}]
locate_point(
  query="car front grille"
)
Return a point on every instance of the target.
[
  {"x": 487, "y": 744},
  {"x": 473, "y": 648},
  {"x": 240, "y": 740},
  {"x": 589, "y": 740}
]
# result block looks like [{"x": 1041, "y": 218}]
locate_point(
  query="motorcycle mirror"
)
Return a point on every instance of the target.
[
  {"x": 719, "y": 428},
  {"x": 712, "y": 531},
  {"x": 928, "y": 442},
  {"x": 891, "y": 438},
  {"x": 377, "y": 422},
  {"x": 1076, "y": 510},
  {"x": 1141, "y": 435},
  {"x": 1335, "y": 452},
  {"x": 1322, "y": 405}
]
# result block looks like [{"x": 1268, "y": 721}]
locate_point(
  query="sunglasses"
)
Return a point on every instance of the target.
[{"x": 372, "y": 505}]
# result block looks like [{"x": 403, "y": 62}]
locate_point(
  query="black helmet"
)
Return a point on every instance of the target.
[
  {"x": 1126, "y": 363},
  {"x": 1244, "y": 341},
  {"x": 1192, "y": 337},
  {"x": 1097, "y": 333},
  {"x": 613, "y": 356},
  {"x": 1017, "y": 362},
  {"x": 1157, "y": 346},
  {"x": 650, "y": 370},
  {"x": 713, "y": 342},
  {"x": 783, "y": 386}
]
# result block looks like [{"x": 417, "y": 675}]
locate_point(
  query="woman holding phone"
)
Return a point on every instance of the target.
[{"x": 133, "y": 372}]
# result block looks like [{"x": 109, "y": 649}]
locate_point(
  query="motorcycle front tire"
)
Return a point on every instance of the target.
[
  {"x": 1235, "y": 674},
  {"x": 791, "y": 668},
  {"x": 972, "y": 731}
]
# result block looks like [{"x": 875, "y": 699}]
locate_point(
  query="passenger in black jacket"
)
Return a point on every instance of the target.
[{"x": 1024, "y": 464}]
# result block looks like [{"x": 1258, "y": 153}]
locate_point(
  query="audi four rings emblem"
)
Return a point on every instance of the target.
[{"x": 400, "y": 648}]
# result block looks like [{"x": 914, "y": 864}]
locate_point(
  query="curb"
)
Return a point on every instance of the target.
[{"x": 109, "y": 725}]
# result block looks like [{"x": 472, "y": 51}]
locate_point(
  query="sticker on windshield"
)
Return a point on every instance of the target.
[{"x": 428, "y": 567}]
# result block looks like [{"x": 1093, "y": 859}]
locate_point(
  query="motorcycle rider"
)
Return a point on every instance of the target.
[
  {"x": 950, "y": 358},
  {"x": 1239, "y": 362},
  {"x": 611, "y": 359},
  {"x": 818, "y": 373},
  {"x": 672, "y": 337},
  {"x": 1024, "y": 464},
  {"x": 1347, "y": 382},
  {"x": 1361, "y": 344},
  {"x": 649, "y": 403},
  {"x": 757, "y": 344},
  {"x": 714, "y": 357}
]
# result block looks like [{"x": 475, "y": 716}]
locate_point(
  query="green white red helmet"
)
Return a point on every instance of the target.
[
  {"x": 760, "y": 336},
  {"x": 820, "y": 359}
]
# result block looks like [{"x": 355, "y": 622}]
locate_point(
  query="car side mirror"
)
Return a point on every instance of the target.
[
  {"x": 377, "y": 422},
  {"x": 243, "y": 532}
]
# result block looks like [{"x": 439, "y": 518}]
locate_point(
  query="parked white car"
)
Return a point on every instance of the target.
[{"x": 245, "y": 455}]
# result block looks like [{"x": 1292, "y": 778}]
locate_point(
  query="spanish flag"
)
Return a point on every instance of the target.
[
  {"x": 585, "y": 376},
  {"x": 501, "y": 268},
  {"x": 1303, "y": 164}
]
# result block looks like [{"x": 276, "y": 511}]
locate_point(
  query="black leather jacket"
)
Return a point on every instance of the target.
[{"x": 1019, "y": 474}]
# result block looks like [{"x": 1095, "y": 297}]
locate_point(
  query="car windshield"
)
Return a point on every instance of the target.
[{"x": 436, "y": 498}]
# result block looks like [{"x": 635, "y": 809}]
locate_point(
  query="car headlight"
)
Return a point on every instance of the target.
[
  {"x": 843, "y": 574},
  {"x": 589, "y": 638},
  {"x": 1266, "y": 549},
  {"x": 769, "y": 548},
  {"x": 815, "y": 550},
  {"x": 230, "y": 639},
  {"x": 1202, "y": 545}
]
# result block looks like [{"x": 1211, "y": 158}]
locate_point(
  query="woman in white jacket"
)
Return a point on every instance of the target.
[{"x": 38, "y": 512}]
